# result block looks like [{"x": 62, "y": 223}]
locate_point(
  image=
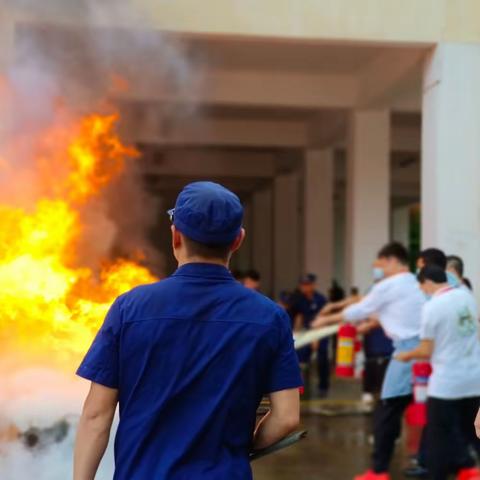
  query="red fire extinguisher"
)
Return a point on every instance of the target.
[
  {"x": 347, "y": 335},
  {"x": 417, "y": 411}
]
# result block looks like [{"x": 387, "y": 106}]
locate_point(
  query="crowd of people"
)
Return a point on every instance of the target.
[
  {"x": 403, "y": 317},
  {"x": 429, "y": 316}
]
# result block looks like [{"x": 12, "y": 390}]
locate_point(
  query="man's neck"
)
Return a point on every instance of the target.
[
  {"x": 398, "y": 272},
  {"x": 185, "y": 261}
]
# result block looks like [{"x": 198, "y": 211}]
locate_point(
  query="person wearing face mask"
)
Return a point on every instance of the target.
[
  {"x": 397, "y": 301},
  {"x": 449, "y": 337},
  {"x": 456, "y": 268}
]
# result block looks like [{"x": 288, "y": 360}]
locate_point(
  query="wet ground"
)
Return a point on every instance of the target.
[{"x": 337, "y": 447}]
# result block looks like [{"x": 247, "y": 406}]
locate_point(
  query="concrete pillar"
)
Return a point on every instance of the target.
[
  {"x": 368, "y": 193},
  {"x": 401, "y": 225},
  {"x": 339, "y": 241},
  {"x": 318, "y": 254},
  {"x": 286, "y": 227},
  {"x": 262, "y": 236},
  {"x": 451, "y": 154}
]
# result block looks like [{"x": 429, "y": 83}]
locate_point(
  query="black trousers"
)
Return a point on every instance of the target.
[
  {"x": 323, "y": 366},
  {"x": 375, "y": 369},
  {"x": 450, "y": 434},
  {"x": 387, "y": 428}
]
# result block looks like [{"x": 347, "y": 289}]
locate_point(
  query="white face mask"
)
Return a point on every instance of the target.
[{"x": 378, "y": 274}]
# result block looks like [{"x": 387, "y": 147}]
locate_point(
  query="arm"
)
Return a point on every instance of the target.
[
  {"x": 477, "y": 424},
  {"x": 324, "y": 321},
  {"x": 283, "y": 418},
  {"x": 340, "y": 305},
  {"x": 94, "y": 430},
  {"x": 423, "y": 351},
  {"x": 368, "y": 325},
  {"x": 356, "y": 312},
  {"x": 298, "y": 322}
]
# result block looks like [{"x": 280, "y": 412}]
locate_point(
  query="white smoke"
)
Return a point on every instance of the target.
[
  {"x": 39, "y": 414},
  {"x": 65, "y": 54}
]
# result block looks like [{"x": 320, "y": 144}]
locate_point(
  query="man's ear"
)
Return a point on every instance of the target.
[
  {"x": 176, "y": 238},
  {"x": 238, "y": 241}
]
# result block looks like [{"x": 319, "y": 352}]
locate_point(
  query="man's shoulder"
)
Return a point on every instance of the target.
[{"x": 260, "y": 301}]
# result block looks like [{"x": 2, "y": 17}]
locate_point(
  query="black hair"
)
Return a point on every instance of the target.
[
  {"x": 209, "y": 252},
  {"x": 354, "y": 291},
  {"x": 395, "y": 250},
  {"x": 252, "y": 274},
  {"x": 455, "y": 262},
  {"x": 237, "y": 274},
  {"x": 434, "y": 256},
  {"x": 434, "y": 273},
  {"x": 468, "y": 284}
]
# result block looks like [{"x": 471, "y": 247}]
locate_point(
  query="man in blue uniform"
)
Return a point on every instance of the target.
[
  {"x": 306, "y": 305},
  {"x": 188, "y": 360}
]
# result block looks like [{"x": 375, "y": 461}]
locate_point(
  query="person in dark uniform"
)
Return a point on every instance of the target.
[
  {"x": 188, "y": 360},
  {"x": 285, "y": 300},
  {"x": 306, "y": 305}
]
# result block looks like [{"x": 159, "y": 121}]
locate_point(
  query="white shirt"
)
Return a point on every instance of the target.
[
  {"x": 397, "y": 301},
  {"x": 450, "y": 320}
]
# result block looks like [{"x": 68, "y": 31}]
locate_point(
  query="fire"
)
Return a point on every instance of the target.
[{"x": 51, "y": 306}]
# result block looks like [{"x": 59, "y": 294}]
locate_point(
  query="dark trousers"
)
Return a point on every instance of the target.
[
  {"x": 450, "y": 433},
  {"x": 387, "y": 428},
  {"x": 374, "y": 373},
  {"x": 323, "y": 363},
  {"x": 323, "y": 366}
]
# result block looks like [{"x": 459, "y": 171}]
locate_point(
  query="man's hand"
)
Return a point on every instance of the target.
[
  {"x": 367, "y": 326},
  {"x": 326, "y": 320},
  {"x": 423, "y": 351},
  {"x": 94, "y": 430},
  {"x": 319, "y": 322},
  {"x": 403, "y": 356},
  {"x": 328, "y": 308},
  {"x": 477, "y": 424}
]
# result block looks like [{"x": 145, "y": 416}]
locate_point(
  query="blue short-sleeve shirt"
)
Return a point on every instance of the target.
[{"x": 191, "y": 357}]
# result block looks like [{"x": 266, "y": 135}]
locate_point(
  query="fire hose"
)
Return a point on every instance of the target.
[{"x": 310, "y": 336}]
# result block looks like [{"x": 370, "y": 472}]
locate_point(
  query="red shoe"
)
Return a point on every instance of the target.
[
  {"x": 371, "y": 475},
  {"x": 469, "y": 474}
]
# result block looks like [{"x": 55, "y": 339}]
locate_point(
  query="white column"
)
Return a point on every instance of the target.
[
  {"x": 286, "y": 227},
  {"x": 318, "y": 257},
  {"x": 262, "y": 236},
  {"x": 368, "y": 193},
  {"x": 401, "y": 225},
  {"x": 451, "y": 154}
]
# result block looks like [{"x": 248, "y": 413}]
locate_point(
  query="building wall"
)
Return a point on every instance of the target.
[
  {"x": 368, "y": 20},
  {"x": 382, "y": 20}
]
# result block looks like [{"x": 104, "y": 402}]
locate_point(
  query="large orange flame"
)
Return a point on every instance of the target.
[{"x": 51, "y": 306}]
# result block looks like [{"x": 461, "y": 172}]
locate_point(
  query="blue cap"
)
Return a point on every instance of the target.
[
  {"x": 307, "y": 279},
  {"x": 208, "y": 213}
]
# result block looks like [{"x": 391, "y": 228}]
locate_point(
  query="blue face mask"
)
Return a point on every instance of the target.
[
  {"x": 378, "y": 274},
  {"x": 452, "y": 280}
]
